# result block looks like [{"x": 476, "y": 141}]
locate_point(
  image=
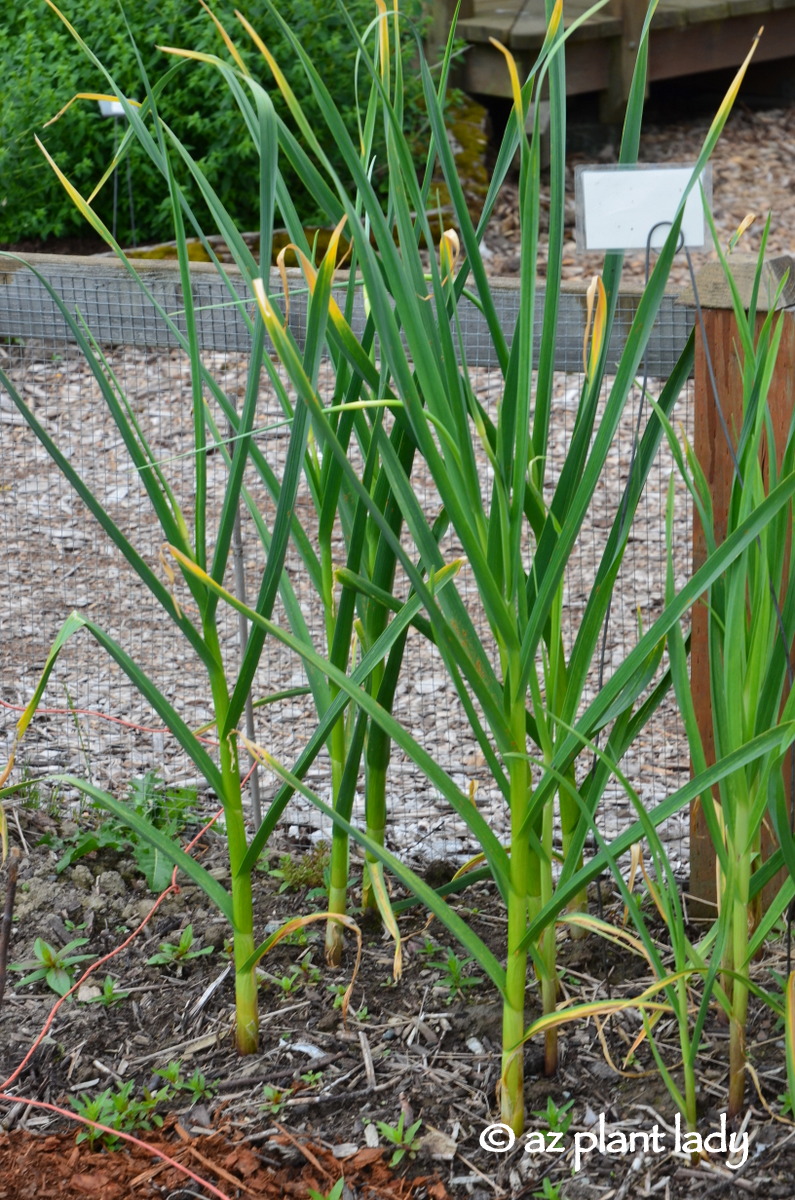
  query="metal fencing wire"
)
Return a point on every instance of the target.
[{"x": 56, "y": 557}]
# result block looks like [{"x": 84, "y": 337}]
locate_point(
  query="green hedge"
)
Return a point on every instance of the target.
[{"x": 41, "y": 68}]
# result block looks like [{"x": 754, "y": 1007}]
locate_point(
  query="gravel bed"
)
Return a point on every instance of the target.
[{"x": 59, "y": 560}]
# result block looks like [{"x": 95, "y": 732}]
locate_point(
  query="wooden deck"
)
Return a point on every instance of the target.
[{"x": 687, "y": 37}]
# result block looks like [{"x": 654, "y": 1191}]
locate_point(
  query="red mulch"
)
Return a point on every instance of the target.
[{"x": 52, "y": 1167}]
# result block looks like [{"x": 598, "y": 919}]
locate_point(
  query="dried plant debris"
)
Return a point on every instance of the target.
[{"x": 312, "y": 1105}]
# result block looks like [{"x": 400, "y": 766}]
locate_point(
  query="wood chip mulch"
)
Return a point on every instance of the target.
[{"x": 54, "y": 1168}]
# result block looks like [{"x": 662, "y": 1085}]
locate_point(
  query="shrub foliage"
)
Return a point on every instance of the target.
[{"x": 42, "y": 68}]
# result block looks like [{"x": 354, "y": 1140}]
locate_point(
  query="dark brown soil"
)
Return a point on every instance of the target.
[{"x": 305, "y": 1109}]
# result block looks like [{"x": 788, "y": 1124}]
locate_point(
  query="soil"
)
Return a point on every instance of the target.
[
  {"x": 304, "y": 1110},
  {"x": 414, "y": 1048}
]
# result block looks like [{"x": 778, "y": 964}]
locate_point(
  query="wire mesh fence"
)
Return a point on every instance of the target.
[{"x": 57, "y": 559}]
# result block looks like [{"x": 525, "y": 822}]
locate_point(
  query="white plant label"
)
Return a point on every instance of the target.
[
  {"x": 111, "y": 108},
  {"x": 618, "y": 208}
]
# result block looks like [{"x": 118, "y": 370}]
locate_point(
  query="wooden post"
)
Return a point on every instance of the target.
[
  {"x": 613, "y": 101},
  {"x": 441, "y": 13},
  {"x": 7, "y": 268},
  {"x": 720, "y": 334}
]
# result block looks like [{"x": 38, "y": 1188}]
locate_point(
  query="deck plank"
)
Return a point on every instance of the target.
[
  {"x": 687, "y": 36},
  {"x": 669, "y": 16},
  {"x": 719, "y": 45},
  {"x": 696, "y": 11},
  {"x": 523, "y": 26},
  {"x": 695, "y": 14},
  {"x": 739, "y": 8},
  {"x": 491, "y": 19},
  {"x": 480, "y": 28},
  {"x": 530, "y": 30}
]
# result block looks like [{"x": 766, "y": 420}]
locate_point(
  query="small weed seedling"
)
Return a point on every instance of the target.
[
  {"x": 109, "y": 995},
  {"x": 309, "y": 871},
  {"x": 275, "y": 1099},
  {"x": 338, "y": 991},
  {"x": 108, "y": 835},
  {"x": 55, "y": 967},
  {"x": 404, "y": 1140},
  {"x": 167, "y": 808},
  {"x": 164, "y": 807},
  {"x": 306, "y": 968},
  {"x": 549, "y": 1190},
  {"x": 299, "y": 974},
  {"x": 29, "y": 789},
  {"x": 787, "y": 1106},
  {"x": 311, "y": 1078},
  {"x": 454, "y": 978},
  {"x": 299, "y": 937},
  {"x": 288, "y": 984},
  {"x": 334, "y": 1194},
  {"x": 557, "y": 1117},
  {"x": 175, "y": 955},
  {"x": 197, "y": 1085},
  {"x": 71, "y": 927},
  {"x": 32, "y": 795},
  {"x": 120, "y": 1110}
]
